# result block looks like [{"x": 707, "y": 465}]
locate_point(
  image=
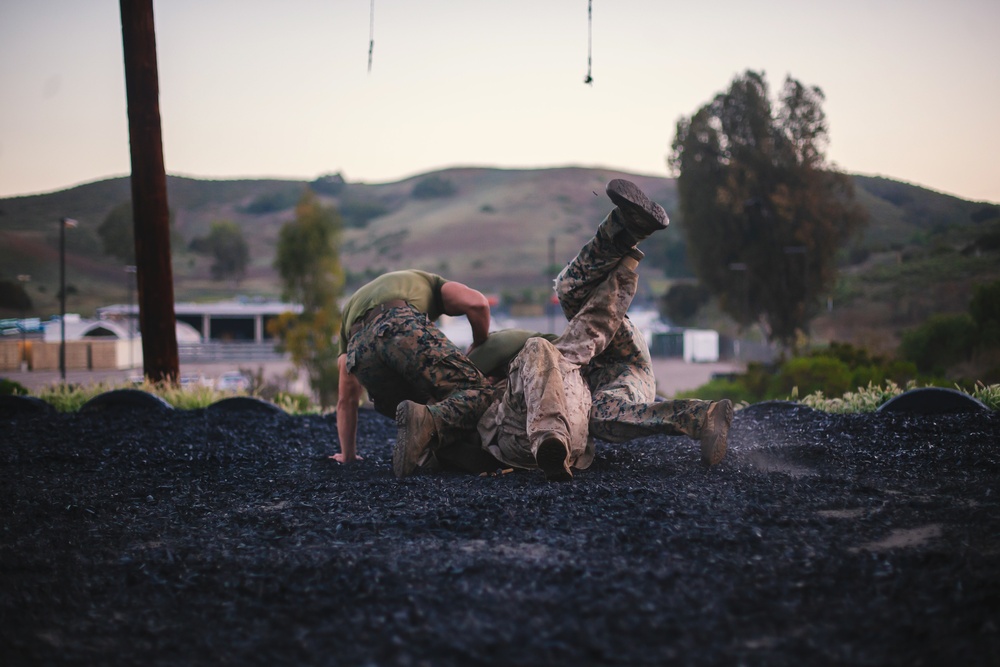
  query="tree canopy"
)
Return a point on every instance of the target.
[
  {"x": 764, "y": 213},
  {"x": 308, "y": 259},
  {"x": 14, "y": 297},
  {"x": 227, "y": 246},
  {"x": 117, "y": 233}
]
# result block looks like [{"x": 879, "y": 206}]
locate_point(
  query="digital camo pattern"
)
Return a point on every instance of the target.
[
  {"x": 401, "y": 355},
  {"x": 621, "y": 377},
  {"x": 545, "y": 396},
  {"x": 546, "y": 393},
  {"x": 578, "y": 279}
]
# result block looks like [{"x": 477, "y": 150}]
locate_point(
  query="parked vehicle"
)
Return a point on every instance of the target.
[
  {"x": 195, "y": 380},
  {"x": 232, "y": 381}
]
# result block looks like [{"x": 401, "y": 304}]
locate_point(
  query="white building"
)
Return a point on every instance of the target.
[{"x": 240, "y": 320}]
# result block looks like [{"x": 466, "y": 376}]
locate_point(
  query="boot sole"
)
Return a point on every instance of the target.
[
  {"x": 399, "y": 465},
  {"x": 551, "y": 458},
  {"x": 627, "y": 195},
  {"x": 714, "y": 449}
]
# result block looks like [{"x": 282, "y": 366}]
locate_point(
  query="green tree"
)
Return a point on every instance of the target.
[
  {"x": 14, "y": 298},
  {"x": 433, "y": 187},
  {"x": 682, "y": 301},
  {"x": 763, "y": 213},
  {"x": 271, "y": 202},
  {"x": 940, "y": 342},
  {"x": 117, "y": 233},
  {"x": 329, "y": 184},
  {"x": 308, "y": 260},
  {"x": 985, "y": 312},
  {"x": 226, "y": 244}
]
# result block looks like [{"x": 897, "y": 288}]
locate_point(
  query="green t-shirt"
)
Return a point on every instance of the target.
[
  {"x": 500, "y": 348},
  {"x": 420, "y": 289}
]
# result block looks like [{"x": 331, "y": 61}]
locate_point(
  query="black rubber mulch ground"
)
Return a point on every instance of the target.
[{"x": 219, "y": 537}]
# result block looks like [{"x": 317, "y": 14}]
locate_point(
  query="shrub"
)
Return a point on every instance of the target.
[
  {"x": 433, "y": 187},
  {"x": 294, "y": 403},
  {"x": 11, "y": 388},
  {"x": 985, "y": 312},
  {"x": 272, "y": 202},
  {"x": 870, "y": 398},
  {"x": 804, "y": 375},
  {"x": 329, "y": 184},
  {"x": 989, "y": 394},
  {"x": 683, "y": 300},
  {"x": 833, "y": 371},
  {"x": 941, "y": 342},
  {"x": 70, "y": 398},
  {"x": 865, "y": 399},
  {"x": 899, "y": 372},
  {"x": 720, "y": 388},
  {"x": 869, "y": 369},
  {"x": 357, "y": 214}
]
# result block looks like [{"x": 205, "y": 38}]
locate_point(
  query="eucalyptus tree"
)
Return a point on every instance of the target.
[{"x": 763, "y": 211}]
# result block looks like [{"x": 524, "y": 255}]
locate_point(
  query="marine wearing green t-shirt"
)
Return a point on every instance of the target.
[
  {"x": 493, "y": 356},
  {"x": 420, "y": 289},
  {"x": 390, "y": 347}
]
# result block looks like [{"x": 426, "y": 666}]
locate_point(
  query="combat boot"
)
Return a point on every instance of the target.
[
  {"x": 552, "y": 457},
  {"x": 715, "y": 431},
  {"x": 416, "y": 431},
  {"x": 632, "y": 258},
  {"x": 639, "y": 215}
]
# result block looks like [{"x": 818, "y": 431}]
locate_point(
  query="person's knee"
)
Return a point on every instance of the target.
[{"x": 537, "y": 344}]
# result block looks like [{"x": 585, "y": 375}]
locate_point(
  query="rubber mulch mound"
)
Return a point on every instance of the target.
[{"x": 201, "y": 537}]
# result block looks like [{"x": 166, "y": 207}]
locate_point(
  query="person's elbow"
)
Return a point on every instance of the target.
[
  {"x": 349, "y": 397},
  {"x": 478, "y": 305}
]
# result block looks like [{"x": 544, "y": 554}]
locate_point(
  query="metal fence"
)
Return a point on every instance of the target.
[{"x": 230, "y": 351}]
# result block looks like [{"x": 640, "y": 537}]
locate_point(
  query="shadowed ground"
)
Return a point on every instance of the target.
[{"x": 225, "y": 537}]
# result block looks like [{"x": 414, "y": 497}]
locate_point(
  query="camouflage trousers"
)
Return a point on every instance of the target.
[
  {"x": 621, "y": 380},
  {"x": 546, "y": 394},
  {"x": 401, "y": 355}
]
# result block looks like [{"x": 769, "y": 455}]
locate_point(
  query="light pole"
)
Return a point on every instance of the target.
[
  {"x": 130, "y": 271},
  {"x": 24, "y": 278},
  {"x": 63, "y": 224}
]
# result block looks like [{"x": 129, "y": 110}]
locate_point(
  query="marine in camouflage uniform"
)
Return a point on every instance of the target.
[
  {"x": 390, "y": 345},
  {"x": 401, "y": 355},
  {"x": 620, "y": 378},
  {"x": 616, "y": 368},
  {"x": 538, "y": 422},
  {"x": 542, "y": 418}
]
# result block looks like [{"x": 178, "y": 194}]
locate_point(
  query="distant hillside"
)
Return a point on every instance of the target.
[
  {"x": 496, "y": 229},
  {"x": 901, "y": 212},
  {"x": 493, "y": 230}
]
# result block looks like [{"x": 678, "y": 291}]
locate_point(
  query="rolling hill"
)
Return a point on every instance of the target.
[{"x": 500, "y": 230}]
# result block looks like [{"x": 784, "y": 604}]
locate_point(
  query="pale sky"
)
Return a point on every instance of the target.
[{"x": 281, "y": 88}]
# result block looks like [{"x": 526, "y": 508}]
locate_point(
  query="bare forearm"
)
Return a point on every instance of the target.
[
  {"x": 460, "y": 299},
  {"x": 349, "y": 392},
  {"x": 347, "y": 430},
  {"x": 479, "y": 320}
]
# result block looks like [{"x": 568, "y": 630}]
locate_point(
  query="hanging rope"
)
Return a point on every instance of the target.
[
  {"x": 371, "y": 37},
  {"x": 590, "y": 23}
]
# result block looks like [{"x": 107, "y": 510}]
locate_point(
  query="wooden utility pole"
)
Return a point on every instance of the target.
[{"x": 150, "y": 212}]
